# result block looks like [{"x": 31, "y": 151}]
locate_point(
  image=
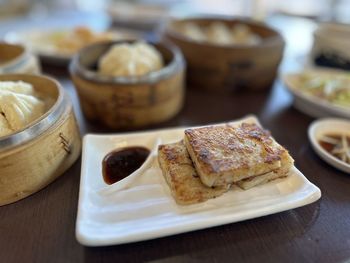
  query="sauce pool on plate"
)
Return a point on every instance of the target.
[
  {"x": 337, "y": 145},
  {"x": 120, "y": 163}
]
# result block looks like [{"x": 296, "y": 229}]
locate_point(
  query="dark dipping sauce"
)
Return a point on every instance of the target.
[
  {"x": 120, "y": 163},
  {"x": 329, "y": 147},
  {"x": 326, "y": 145}
]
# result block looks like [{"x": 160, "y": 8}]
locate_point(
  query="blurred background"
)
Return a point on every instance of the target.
[
  {"x": 146, "y": 13},
  {"x": 292, "y": 18}
]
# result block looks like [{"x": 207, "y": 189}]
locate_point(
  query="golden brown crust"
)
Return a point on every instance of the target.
[
  {"x": 182, "y": 178},
  {"x": 228, "y": 153},
  {"x": 286, "y": 164}
]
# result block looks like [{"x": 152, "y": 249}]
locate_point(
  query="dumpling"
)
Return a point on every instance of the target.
[
  {"x": 116, "y": 61},
  {"x": 194, "y": 32},
  {"x": 20, "y": 109},
  {"x": 242, "y": 34},
  {"x": 219, "y": 33},
  {"x": 18, "y": 106},
  {"x": 134, "y": 59},
  {"x": 17, "y": 87},
  {"x": 4, "y": 126},
  {"x": 149, "y": 55}
]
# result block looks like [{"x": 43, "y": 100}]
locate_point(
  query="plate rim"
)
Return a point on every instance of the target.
[{"x": 54, "y": 57}]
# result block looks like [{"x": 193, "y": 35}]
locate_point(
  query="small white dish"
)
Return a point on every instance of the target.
[
  {"x": 146, "y": 209},
  {"x": 310, "y": 104},
  {"x": 329, "y": 126}
]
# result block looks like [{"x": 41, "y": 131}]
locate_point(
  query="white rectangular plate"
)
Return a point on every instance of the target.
[{"x": 147, "y": 210}]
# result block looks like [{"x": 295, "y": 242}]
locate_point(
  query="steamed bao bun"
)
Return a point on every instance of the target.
[
  {"x": 18, "y": 106},
  {"x": 135, "y": 59}
]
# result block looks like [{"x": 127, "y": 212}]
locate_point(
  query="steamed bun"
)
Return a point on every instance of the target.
[
  {"x": 134, "y": 59},
  {"x": 219, "y": 33},
  {"x": 16, "y": 87},
  {"x": 20, "y": 109},
  {"x": 18, "y": 106},
  {"x": 193, "y": 31},
  {"x": 242, "y": 34},
  {"x": 4, "y": 126}
]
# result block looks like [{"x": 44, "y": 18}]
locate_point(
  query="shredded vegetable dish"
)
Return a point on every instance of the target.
[
  {"x": 332, "y": 88},
  {"x": 338, "y": 145}
]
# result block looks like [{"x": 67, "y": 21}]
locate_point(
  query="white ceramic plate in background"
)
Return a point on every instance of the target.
[
  {"x": 329, "y": 126},
  {"x": 36, "y": 41},
  {"x": 310, "y": 104},
  {"x": 41, "y": 43},
  {"x": 147, "y": 210}
]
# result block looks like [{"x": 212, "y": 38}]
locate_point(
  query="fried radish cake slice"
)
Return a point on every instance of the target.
[
  {"x": 228, "y": 153},
  {"x": 286, "y": 164},
  {"x": 183, "y": 180}
]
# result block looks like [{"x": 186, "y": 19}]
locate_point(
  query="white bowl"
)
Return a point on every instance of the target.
[
  {"x": 310, "y": 104},
  {"x": 17, "y": 59},
  {"x": 331, "y": 46},
  {"x": 329, "y": 126}
]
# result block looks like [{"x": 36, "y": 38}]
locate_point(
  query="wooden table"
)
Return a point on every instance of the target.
[{"x": 41, "y": 228}]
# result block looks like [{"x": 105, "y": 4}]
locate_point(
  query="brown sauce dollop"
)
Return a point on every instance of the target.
[
  {"x": 337, "y": 145},
  {"x": 120, "y": 163}
]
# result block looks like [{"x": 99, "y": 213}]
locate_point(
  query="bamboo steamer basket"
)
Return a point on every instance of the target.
[
  {"x": 129, "y": 102},
  {"x": 232, "y": 67},
  {"x": 33, "y": 157},
  {"x": 17, "y": 59}
]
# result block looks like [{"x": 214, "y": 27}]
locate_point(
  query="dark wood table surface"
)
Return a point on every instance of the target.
[{"x": 41, "y": 228}]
